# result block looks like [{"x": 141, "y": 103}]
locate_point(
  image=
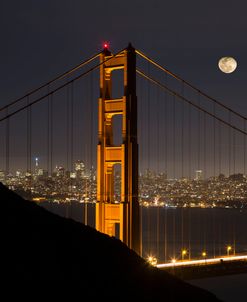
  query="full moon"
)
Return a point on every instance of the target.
[{"x": 227, "y": 64}]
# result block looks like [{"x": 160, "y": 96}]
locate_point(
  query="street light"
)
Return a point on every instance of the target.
[
  {"x": 152, "y": 260},
  {"x": 184, "y": 253},
  {"x": 204, "y": 255},
  {"x": 229, "y": 248}
]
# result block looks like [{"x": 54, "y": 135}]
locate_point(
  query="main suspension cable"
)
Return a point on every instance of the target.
[
  {"x": 51, "y": 81},
  {"x": 188, "y": 84},
  {"x": 59, "y": 88},
  {"x": 172, "y": 92}
]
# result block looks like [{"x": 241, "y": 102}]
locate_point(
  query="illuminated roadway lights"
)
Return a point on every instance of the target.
[
  {"x": 201, "y": 261},
  {"x": 184, "y": 253},
  {"x": 229, "y": 248},
  {"x": 152, "y": 260},
  {"x": 172, "y": 264},
  {"x": 204, "y": 255}
]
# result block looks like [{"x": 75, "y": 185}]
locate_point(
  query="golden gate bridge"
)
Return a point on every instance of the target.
[{"x": 137, "y": 144}]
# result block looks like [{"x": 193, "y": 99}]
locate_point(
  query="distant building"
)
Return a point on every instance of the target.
[
  {"x": 59, "y": 171},
  {"x": 72, "y": 175},
  {"x": 198, "y": 175},
  {"x": 28, "y": 174},
  {"x": 79, "y": 169},
  {"x": 18, "y": 174},
  {"x": 2, "y": 175},
  {"x": 36, "y": 169},
  {"x": 41, "y": 172}
]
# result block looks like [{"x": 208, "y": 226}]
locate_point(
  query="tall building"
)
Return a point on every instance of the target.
[
  {"x": 18, "y": 174},
  {"x": 59, "y": 171},
  {"x": 79, "y": 169},
  {"x": 198, "y": 175},
  {"x": 36, "y": 166},
  {"x": 41, "y": 172},
  {"x": 2, "y": 175}
]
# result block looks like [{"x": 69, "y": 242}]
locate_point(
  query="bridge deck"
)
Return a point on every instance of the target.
[{"x": 195, "y": 269}]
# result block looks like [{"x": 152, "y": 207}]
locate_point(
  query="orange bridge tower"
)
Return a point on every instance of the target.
[{"x": 118, "y": 218}]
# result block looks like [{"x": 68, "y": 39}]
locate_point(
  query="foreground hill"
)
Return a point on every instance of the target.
[{"x": 44, "y": 248}]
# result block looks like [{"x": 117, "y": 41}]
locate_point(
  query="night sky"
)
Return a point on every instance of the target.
[{"x": 42, "y": 39}]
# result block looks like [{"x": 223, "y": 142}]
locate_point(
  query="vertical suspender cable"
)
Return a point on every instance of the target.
[
  {"x": 149, "y": 172},
  {"x": 214, "y": 144},
  {"x": 230, "y": 163},
  {"x": 72, "y": 127},
  {"x": 51, "y": 134},
  {"x": 220, "y": 146},
  {"x": 182, "y": 133},
  {"x": 87, "y": 155},
  {"x": 173, "y": 137},
  {"x": 220, "y": 169},
  {"x": 91, "y": 147},
  {"x": 27, "y": 146},
  {"x": 234, "y": 173},
  {"x": 148, "y": 121},
  {"x": 214, "y": 173},
  {"x": 166, "y": 160},
  {"x": 67, "y": 143},
  {"x": 234, "y": 150},
  {"x": 190, "y": 178},
  {"x": 7, "y": 134},
  {"x": 48, "y": 133},
  {"x": 29, "y": 169},
  {"x": 199, "y": 134},
  {"x": 166, "y": 129},
  {"x": 182, "y": 165},
  {"x": 229, "y": 142},
  {"x": 30, "y": 148},
  {"x": 199, "y": 161},
  {"x": 244, "y": 148},
  {"x": 72, "y": 139},
  {"x": 205, "y": 147},
  {"x": 27, "y": 141},
  {"x": 173, "y": 157},
  {"x": 158, "y": 174},
  {"x": 204, "y": 179},
  {"x": 141, "y": 156},
  {"x": 67, "y": 127}
]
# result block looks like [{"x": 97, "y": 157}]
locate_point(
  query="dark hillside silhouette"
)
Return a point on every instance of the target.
[{"x": 44, "y": 248}]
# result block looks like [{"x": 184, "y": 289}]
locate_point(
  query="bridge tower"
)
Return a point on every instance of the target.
[{"x": 118, "y": 218}]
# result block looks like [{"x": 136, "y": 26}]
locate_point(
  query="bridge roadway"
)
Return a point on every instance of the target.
[{"x": 204, "y": 268}]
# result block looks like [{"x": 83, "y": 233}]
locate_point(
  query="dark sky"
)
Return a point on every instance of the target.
[{"x": 41, "y": 39}]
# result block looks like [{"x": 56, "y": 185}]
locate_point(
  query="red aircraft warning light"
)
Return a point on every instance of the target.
[{"x": 106, "y": 45}]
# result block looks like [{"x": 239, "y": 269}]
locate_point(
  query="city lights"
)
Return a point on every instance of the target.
[
  {"x": 217, "y": 192},
  {"x": 174, "y": 262},
  {"x": 152, "y": 260},
  {"x": 229, "y": 248},
  {"x": 184, "y": 253}
]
